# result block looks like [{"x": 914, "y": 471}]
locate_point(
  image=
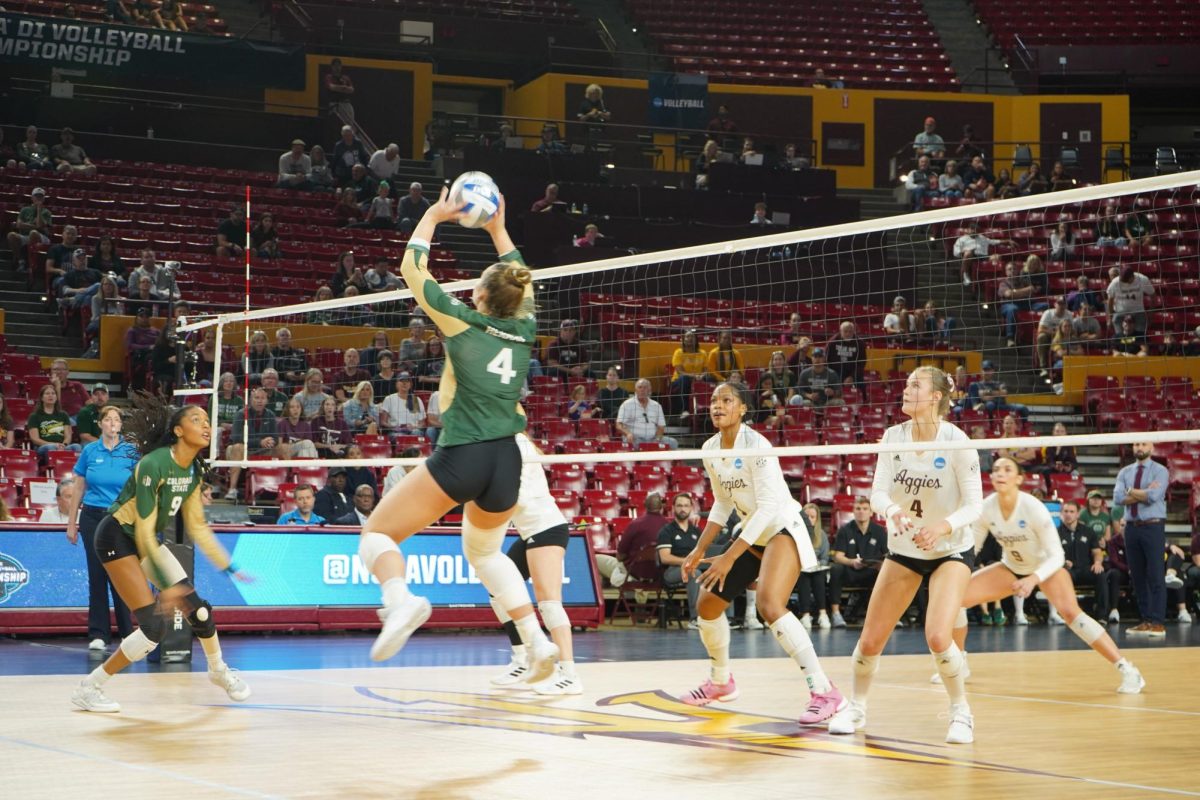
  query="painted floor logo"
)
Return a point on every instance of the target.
[
  {"x": 657, "y": 717},
  {"x": 12, "y": 576}
]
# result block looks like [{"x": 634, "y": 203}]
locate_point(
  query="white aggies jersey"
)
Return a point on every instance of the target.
[
  {"x": 757, "y": 489},
  {"x": 1028, "y": 538},
  {"x": 536, "y": 510},
  {"x": 929, "y": 486}
]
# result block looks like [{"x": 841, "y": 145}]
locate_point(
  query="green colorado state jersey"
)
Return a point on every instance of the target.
[
  {"x": 486, "y": 364},
  {"x": 157, "y": 484}
]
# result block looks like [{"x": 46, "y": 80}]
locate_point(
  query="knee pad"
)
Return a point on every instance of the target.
[
  {"x": 201, "y": 618},
  {"x": 150, "y": 622},
  {"x": 480, "y": 543},
  {"x": 553, "y": 614},
  {"x": 137, "y": 645},
  {"x": 496, "y": 571},
  {"x": 960, "y": 621},
  {"x": 1086, "y": 628},
  {"x": 864, "y": 665},
  {"x": 371, "y": 546}
]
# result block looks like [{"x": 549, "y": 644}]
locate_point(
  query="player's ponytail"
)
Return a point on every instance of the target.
[
  {"x": 151, "y": 426},
  {"x": 505, "y": 284}
]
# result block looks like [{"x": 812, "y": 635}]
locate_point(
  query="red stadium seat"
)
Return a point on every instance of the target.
[
  {"x": 568, "y": 478},
  {"x": 820, "y": 486},
  {"x": 1068, "y": 487},
  {"x": 567, "y": 502},
  {"x": 602, "y": 503},
  {"x": 266, "y": 480},
  {"x": 612, "y": 476}
]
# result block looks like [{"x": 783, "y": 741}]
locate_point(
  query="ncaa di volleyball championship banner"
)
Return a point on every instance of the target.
[
  {"x": 678, "y": 101},
  {"x": 67, "y": 43},
  {"x": 41, "y": 569}
]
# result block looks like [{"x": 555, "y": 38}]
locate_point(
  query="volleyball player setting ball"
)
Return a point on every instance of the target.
[
  {"x": 540, "y": 551},
  {"x": 774, "y": 544},
  {"x": 930, "y": 499},
  {"x": 477, "y": 462},
  {"x": 165, "y": 482},
  {"x": 1032, "y": 557}
]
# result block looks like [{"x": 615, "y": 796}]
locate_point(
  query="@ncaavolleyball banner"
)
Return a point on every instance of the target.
[
  {"x": 678, "y": 100},
  {"x": 66, "y": 43}
]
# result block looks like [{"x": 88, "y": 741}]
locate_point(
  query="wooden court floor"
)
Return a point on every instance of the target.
[{"x": 1048, "y": 724}]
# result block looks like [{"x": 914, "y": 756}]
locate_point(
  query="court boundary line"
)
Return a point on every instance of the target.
[{"x": 1046, "y": 700}]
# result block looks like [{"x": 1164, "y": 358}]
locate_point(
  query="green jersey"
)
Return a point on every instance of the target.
[
  {"x": 487, "y": 359},
  {"x": 156, "y": 490},
  {"x": 1095, "y": 522}
]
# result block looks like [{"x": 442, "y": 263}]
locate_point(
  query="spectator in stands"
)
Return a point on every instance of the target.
[
  {"x": 578, "y": 404},
  {"x": 1179, "y": 590},
  {"x": 332, "y": 502},
  {"x": 347, "y": 212},
  {"x": 60, "y": 514},
  {"x": 262, "y": 427},
  {"x": 384, "y": 164},
  {"x": 899, "y": 323},
  {"x": 7, "y": 425},
  {"x": 295, "y": 432},
  {"x": 32, "y": 154},
  {"x": 641, "y": 419},
  {"x": 1108, "y": 228},
  {"x": 551, "y": 144},
  {"x": 231, "y": 231},
  {"x": 331, "y": 434},
  {"x": 990, "y": 394},
  {"x": 305, "y": 498},
  {"x": 413, "y": 348},
  {"x": 1059, "y": 179},
  {"x": 164, "y": 361},
  {"x": 708, "y": 157},
  {"x": 172, "y": 16},
  {"x": 818, "y": 386},
  {"x": 783, "y": 378},
  {"x": 412, "y": 207},
  {"x": 347, "y": 274},
  {"x": 1060, "y": 460},
  {"x": 792, "y": 161},
  {"x": 931, "y": 322},
  {"x": 106, "y": 301},
  {"x": 1064, "y": 344},
  {"x": 1015, "y": 292},
  {"x": 921, "y": 183},
  {"x": 402, "y": 412},
  {"x": 1027, "y": 457},
  {"x": 117, "y": 11},
  {"x": 968, "y": 146},
  {"x": 1096, "y": 517},
  {"x": 58, "y": 256},
  {"x": 312, "y": 396},
  {"x": 70, "y": 157},
  {"x": 49, "y": 426},
  {"x": 346, "y": 153},
  {"x": 592, "y": 110},
  {"x": 363, "y": 502},
  {"x": 294, "y": 167},
  {"x": 676, "y": 540},
  {"x": 1137, "y": 229},
  {"x": 722, "y": 123},
  {"x": 567, "y": 356},
  {"x": 1084, "y": 559},
  {"x": 642, "y": 535},
  {"x": 687, "y": 365},
  {"x": 929, "y": 143},
  {"x": 87, "y": 423},
  {"x": 291, "y": 362},
  {"x": 361, "y": 413},
  {"x": 858, "y": 552},
  {"x": 810, "y": 588},
  {"x": 340, "y": 90},
  {"x": 547, "y": 201},
  {"x": 140, "y": 337},
  {"x": 72, "y": 394},
  {"x": 972, "y": 246},
  {"x": 276, "y": 400},
  {"x": 106, "y": 259},
  {"x": 1141, "y": 487},
  {"x": 1128, "y": 342},
  {"x": 346, "y": 381},
  {"x": 749, "y": 150},
  {"x": 229, "y": 402},
  {"x": 163, "y": 285},
  {"x": 363, "y": 184},
  {"x": 206, "y": 357},
  {"x": 323, "y": 316},
  {"x": 760, "y": 215},
  {"x": 380, "y": 213},
  {"x": 32, "y": 226},
  {"x": 1048, "y": 325},
  {"x": 724, "y": 358},
  {"x": 1126, "y": 297},
  {"x": 147, "y": 12},
  {"x": 503, "y": 134},
  {"x": 264, "y": 237},
  {"x": 612, "y": 394},
  {"x": 1062, "y": 244},
  {"x": 433, "y": 418},
  {"x": 1032, "y": 182},
  {"x": 369, "y": 356},
  {"x": 397, "y": 473},
  {"x": 1083, "y": 295},
  {"x": 795, "y": 331},
  {"x": 320, "y": 173},
  {"x": 846, "y": 353},
  {"x": 141, "y": 295},
  {"x": 258, "y": 359},
  {"x": 1085, "y": 328},
  {"x": 950, "y": 183},
  {"x": 979, "y": 180},
  {"x": 590, "y": 234},
  {"x": 772, "y": 404},
  {"x": 1004, "y": 186},
  {"x": 79, "y": 283},
  {"x": 430, "y": 375}
]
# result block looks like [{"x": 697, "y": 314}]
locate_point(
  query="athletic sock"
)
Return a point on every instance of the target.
[
  {"x": 395, "y": 592},
  {"x": 568, "y": 668},
  {"x": 714, "y": 635},
  {"x": 1123, "y": 663},
  {"x": 796, "y": 643},
  {"x": 950, "y": 667},
  {"x": 1018, "y": 605},
  {"x": 98, "y": 677},
  {"x": 529, "y": 629},
  {"x": 212, "y": 652},
  {"x": 864, "y": 670}
]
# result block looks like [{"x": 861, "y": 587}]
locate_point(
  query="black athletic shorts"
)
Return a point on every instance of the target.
[
  {"x": 112, "y": 542},
  {"x": 745, "y": 572},
  {"x": 488, "y": 473},
  {"x": 558, "y": 536},
  {"x": 926, "y": 566}
]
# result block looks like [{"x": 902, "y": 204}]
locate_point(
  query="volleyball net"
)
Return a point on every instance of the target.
[{"x": 1077, "y": 307}]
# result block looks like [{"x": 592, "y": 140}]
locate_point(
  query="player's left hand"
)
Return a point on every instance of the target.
[
  {"x": 718, "y": 569},
  {"x": 496, "y": 223},
  {"x": 1025, "y": 586},
  {"x": 927, "y": 537},
  {"x": 443, "y": 210}
]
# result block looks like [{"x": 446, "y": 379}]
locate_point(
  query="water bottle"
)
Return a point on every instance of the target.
[
  {"x": 150, "y": 132},
  {"x": 585, "y": 209}
]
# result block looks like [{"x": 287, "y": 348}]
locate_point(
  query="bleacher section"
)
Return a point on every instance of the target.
[
  {"x": 95, "y": 12},
  {"x": 555, "y": 12},
  {"x": 1104, "y": 22},
  {"x": 867, "y": 44}
]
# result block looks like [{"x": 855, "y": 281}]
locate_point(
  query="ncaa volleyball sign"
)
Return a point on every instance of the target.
[
  {"x": 13, "y": 576},
  {"x": 480, "y": 198}
]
